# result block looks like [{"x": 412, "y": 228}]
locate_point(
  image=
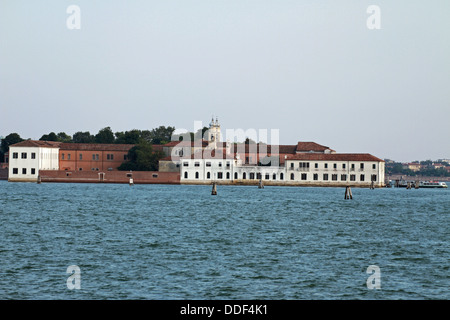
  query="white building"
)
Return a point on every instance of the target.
[
  {"x": 304, "y": 164},
  {"x": 26, "y": 158}
]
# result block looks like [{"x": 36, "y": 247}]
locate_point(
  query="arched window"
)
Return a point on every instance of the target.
[
  {"x": 196, "y": 175},
  {"x": 185, "y": 175},
  {"x": 208, "y": 175},
  {"x": 244, "y": 176},
  {"x": 228, "y": 175},
  {"x": 281, "y": 176},
  {"x": 235, "y": 175},
  {"x": 292, "y": 176}
]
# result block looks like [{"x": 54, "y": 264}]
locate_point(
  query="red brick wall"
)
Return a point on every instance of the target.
[
  {"x": 87, "y": 163},
  {"x": 110, "y": 176}
]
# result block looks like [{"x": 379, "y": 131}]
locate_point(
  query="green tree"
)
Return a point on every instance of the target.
[
  {"x": 83, "y": 137},
  {"x": 105, "y": 135},
  {"x": 128, "y": 137},
  {"x": 10, "y": 139},
  {"x": 160, "y": 135},
  {"x": 142, "y": 157},
  {"x": 63, "y": 137},
  {"x": 49, "y": 137}
]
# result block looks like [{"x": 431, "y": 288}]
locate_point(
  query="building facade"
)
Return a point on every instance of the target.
[{"x": 28, "y": 157}]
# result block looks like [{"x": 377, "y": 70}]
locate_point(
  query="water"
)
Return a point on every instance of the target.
[{"x": 179, "y": 242}]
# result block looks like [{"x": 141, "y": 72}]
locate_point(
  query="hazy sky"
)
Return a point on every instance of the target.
[{"x": 311, "y": 69}]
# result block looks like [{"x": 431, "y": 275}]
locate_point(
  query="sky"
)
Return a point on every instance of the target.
[{"x": 312, "y": 70}]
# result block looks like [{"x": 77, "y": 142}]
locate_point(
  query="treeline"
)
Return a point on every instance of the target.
[{"x": 427, "y": 169}]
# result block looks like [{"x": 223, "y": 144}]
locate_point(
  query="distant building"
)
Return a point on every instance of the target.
[
  {"x": 412, "y": 166},
  {"x": 28, "y": 157}
]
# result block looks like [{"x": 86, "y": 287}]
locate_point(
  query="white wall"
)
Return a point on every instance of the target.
[{"x": 26, "y": 168}]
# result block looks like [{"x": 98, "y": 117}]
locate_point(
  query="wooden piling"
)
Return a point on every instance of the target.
[
  {"x": 416, "y": 184},
  {"x": 39, "y": 179},
  {"x": 348, "y": 193},
  {"x": 214, "y": 189},
  {"x": 261, "y": 184}
]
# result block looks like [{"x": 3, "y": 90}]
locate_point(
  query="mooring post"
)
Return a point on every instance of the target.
[
  {"x": 416, "y": 185},
  {"x": 348, "y": 193},
  {"x": 39, "y": 179},
  {"x": 131, "y": 182},
  {"x": 261, "y": 184},
  {"x": 214, "y": 189}
]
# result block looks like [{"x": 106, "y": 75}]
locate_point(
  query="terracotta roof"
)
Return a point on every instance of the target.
[
  {"x": 310, "y": 146},
  {"x": 334, "y": 157},
  {"x": 96, "y": 146},
  {"x": 204, "y": 143},
  {"x": 37, "y": 143}
]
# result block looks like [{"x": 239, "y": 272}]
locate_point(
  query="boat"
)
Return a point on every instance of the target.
[{"x": 432, "y": 184}]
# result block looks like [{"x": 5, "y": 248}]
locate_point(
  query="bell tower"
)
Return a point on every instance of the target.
[{"x": 214, "y": 133}]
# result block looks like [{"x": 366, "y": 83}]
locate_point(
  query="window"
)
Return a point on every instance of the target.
[
  {"x": 220, "y": 164},
  {"x": 185, "y": 175},
  {"x": 228, "y": 164},
  {"x": 107, "y": 157},
  {"x": 33, "y": 155},
  {"x": 196, "y": 175},
  {"x": 303, "y": 165},
  {"x": 374, "y": 166},
  {"x": 343, "y": 166},
  {"x": 292, "y": 176},
  {"x": 93, "y": 156},
  {"x": 185, "y": 164},
  {"x": 258, "y": 176},
  {"x": 325, "y": 176},
  {"x": 208, "y": 175},
  {"x": 15, "y": 155},
  {"x": 15, "y": 171},
  {"x": 334, "y": 177},
  {"x": 292, "y": 164},
  {"x": 361, "y": 165},
  {"x": 81, "y": 156},
  {"x": 155, "y": 175},
  {"x": 304, "y": 176},
  {"x": 353, "y": 166},
  {"x": 112, "y": 156},
  {"x": 96, "y": 157},
  {"x": 361, "y": 178},
  {"x": 62, "y": 156},
  {"x": 334, "y": 165},
  {"x": 281, "y": 176},
  {"x": 315, "y": 177},
  {"x": 325, "y": 165},
  {"x": 235, "y": 175},
  {"x": 197, "y": 164},
  {"x": 316, "y": 165},
  {"x": 81, "y": 169},
  {"x": 343, "y": 177},
  {"x": 228, "y": 175},
  {"x": 374, "y": 177},
  {"x": 68, "y": 156},
  {"x": 24, "y": 155},
  {"x": 267, "y": 177},
  {"x": 33, "y": 171},
  {"x": 219, "y": 175},
  {"x": 252, "y": 175},
  {"x": 352, "y": 177},
  {"x": 274, "y": 176},
  {"x": 24, "y": 170},
  {"x": 208, "y": 164},
  {"x": 244, "y": 176}
]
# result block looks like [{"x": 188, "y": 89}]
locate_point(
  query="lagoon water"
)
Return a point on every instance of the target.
[{"x": 179, "y": 242}]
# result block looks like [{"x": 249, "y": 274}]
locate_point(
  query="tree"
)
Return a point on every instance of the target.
[
  {"x": 128, "y": 137},
  {"x": 49, "y": 137},
  {"x": 105, "y": 135},
  {"x": 63, "y": 137},
  {"x": 142, "y": 158},
  {"x": 10, "y": 139},
  {"x": 83, "y": 137},
  {"x": 160, "y": 135}
]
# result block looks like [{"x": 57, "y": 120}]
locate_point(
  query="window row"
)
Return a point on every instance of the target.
[
  {"x": 251, "y": 176},
  {"x": 24, "y": 171},
  {"x": 305, "y": 165},
  {"x": 95, "y": 157},
  {"x": 334, "y": 177},
  {"x": 24, "y": 155},
  {"x": 208, "y": 164}
]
